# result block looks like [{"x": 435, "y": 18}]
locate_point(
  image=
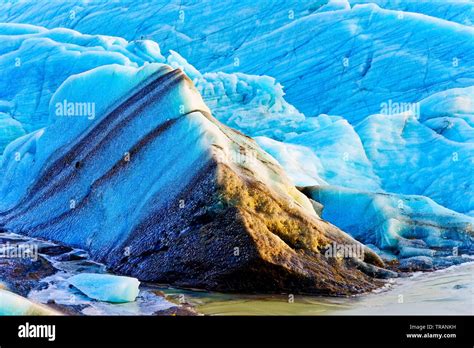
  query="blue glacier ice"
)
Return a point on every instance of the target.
[
  {"x": 428, "y": 141},
  {"x": 402, "y": 223},
  {"x": 459, "y": 11},
  {"x": 333, "y": 147},
  {"x": 38, "y": 61},
  {"x": 348, "y": 63},
  {"x": 413, "y": 155},
  {"x": 106, "y": 287}
]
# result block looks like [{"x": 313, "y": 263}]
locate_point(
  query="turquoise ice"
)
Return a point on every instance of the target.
[{"x": 106, "y": 287}]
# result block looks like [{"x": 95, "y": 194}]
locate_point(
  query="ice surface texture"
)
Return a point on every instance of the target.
[
  {"x": 396, "y": 222},
  {"x": 331, "y": 58},
  {"x": 36, "y": 61}
]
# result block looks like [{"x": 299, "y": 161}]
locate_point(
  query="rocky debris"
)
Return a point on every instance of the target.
[
  {"x": 178, "y": 310},
  {"x": 21, "y": 275},
  {"x": 416, "y": 263},
  {"x": 54, "y": 250}
]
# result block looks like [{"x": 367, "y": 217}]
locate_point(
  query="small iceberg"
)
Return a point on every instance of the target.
[
  {"x": 13, "y": 304},
  {"x": 106, "y": 287}
]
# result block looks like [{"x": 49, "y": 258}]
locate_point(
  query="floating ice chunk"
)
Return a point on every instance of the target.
[
  {"x": 13, "y": 304},
  {"x": 416, "y": 263},
  {"x": 106, "y": 287}
]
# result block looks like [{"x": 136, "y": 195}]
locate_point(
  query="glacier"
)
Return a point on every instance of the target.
[
  {"x": 370, "y": 114},
  {"x": 338, "y": 67},
  {"x": 404, "y": 226}
]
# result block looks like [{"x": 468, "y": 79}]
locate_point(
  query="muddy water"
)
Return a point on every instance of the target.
[{"x": 445, "y": 292}]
